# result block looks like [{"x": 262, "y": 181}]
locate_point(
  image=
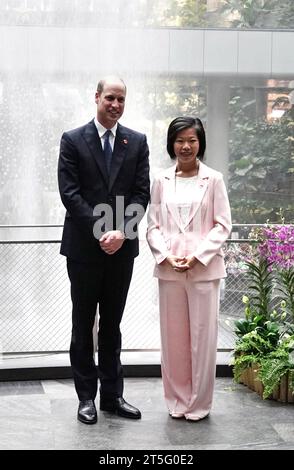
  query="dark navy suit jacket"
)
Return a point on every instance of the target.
[{"x": 84, "y": 183}]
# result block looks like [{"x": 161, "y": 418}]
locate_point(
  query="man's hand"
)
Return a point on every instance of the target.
[{"x": 112, "y": 241}]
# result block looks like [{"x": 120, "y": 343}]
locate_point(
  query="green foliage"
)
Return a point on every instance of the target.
[
  {"x": 276, "y": 364},
  {"x": 186, "y": 13},
  {"x": 257, "y": 335},
  {"x": 285, "y": 288},
  {"x": 259, "y": 341},
  {"x": 172, "y": 13},
  {"x": 273, "y": 363},
  {"x": 229, "y": 13},
  {"x": 260, "y": 283},
  {"x": 260, "y": 13},
  {"x": 266, "y": 335},
  {"x": 275, "y": 359},
  {"x": 241, "y": 363},
  {"x": 261, "y": 167},
  {"x": 250, "y": 12}
]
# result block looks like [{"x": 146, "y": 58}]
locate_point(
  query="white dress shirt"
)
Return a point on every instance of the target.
[
  {"x": 185, "y": 195},
  {"x": 101, "y": 131}
]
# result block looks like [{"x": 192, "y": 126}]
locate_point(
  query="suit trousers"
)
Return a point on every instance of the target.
[
  {"x": 105, "y": 283},
  {"x": 189, "y": 326}
]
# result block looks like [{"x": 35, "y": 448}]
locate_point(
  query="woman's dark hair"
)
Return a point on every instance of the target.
[{"x": 178, "y": 125}]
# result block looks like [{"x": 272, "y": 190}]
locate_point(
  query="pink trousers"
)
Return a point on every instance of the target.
[{"x": 188, "y": 324}]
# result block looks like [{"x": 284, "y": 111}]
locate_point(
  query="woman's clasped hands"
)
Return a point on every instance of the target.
[{"x": 181, "y": 263}]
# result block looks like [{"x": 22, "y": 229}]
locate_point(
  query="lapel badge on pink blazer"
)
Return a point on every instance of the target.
[{"x": 203, "y": 182}]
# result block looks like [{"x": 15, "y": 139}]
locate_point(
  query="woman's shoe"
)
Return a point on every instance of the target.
[{"x": 177, "y": 415}]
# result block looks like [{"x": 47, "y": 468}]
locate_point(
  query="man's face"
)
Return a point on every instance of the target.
[{"x": 110, "y": 103}]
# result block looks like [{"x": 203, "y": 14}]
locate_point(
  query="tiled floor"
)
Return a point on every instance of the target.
[{"x": 42, "y": 415}]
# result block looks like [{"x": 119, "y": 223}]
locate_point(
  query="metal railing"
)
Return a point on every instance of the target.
[{"x": 35, "y": 305}]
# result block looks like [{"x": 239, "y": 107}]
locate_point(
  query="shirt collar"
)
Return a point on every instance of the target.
[
  {"x": 101, "y": 129},
  {"x": 203, "y": 172}
]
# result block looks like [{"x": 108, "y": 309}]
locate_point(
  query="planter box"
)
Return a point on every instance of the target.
[{"x": 282, "y": 393}]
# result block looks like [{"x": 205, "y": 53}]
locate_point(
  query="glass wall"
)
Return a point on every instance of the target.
[
  {"x": 35, "y": 109},
  {"x": 245, "y": 14},
  {"x": 50, "y": 65},
  {"x": 261, "y": 152},
  {"x": 251, "y": 137},
  {"x": 52, "y": 53}
]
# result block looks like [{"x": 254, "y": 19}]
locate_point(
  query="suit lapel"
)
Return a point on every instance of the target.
[
  {"x": 119, "y": 152},
  {"x": 92, "y": 138},
  {"x": 170, "y": 185},
  {"x": 121, "y": 144},
  {"x": 201, "y": 186},
  {"x": 200, "y": 190}
]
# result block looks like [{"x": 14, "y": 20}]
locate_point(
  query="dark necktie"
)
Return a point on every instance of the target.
[{"x": 107, "y": 150}]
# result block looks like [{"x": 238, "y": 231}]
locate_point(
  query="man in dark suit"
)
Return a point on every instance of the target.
[{"x": 104, "y": 186}]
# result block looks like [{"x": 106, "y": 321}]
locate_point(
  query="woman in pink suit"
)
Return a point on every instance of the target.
[{"x": 188, "y": 221}]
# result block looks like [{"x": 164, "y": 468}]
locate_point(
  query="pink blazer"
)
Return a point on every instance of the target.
[{"x": 207, "y": 228}]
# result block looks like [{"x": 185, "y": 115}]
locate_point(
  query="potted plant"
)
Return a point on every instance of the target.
[{"x": 264, "y": 352}]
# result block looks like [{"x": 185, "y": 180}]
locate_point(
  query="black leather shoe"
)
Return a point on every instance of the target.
[
  {"x": 120, "y": 407},
  {"x": 87, "y": 413}
]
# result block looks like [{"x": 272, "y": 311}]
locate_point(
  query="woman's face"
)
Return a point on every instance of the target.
[{"x": 186, "y": 145}]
